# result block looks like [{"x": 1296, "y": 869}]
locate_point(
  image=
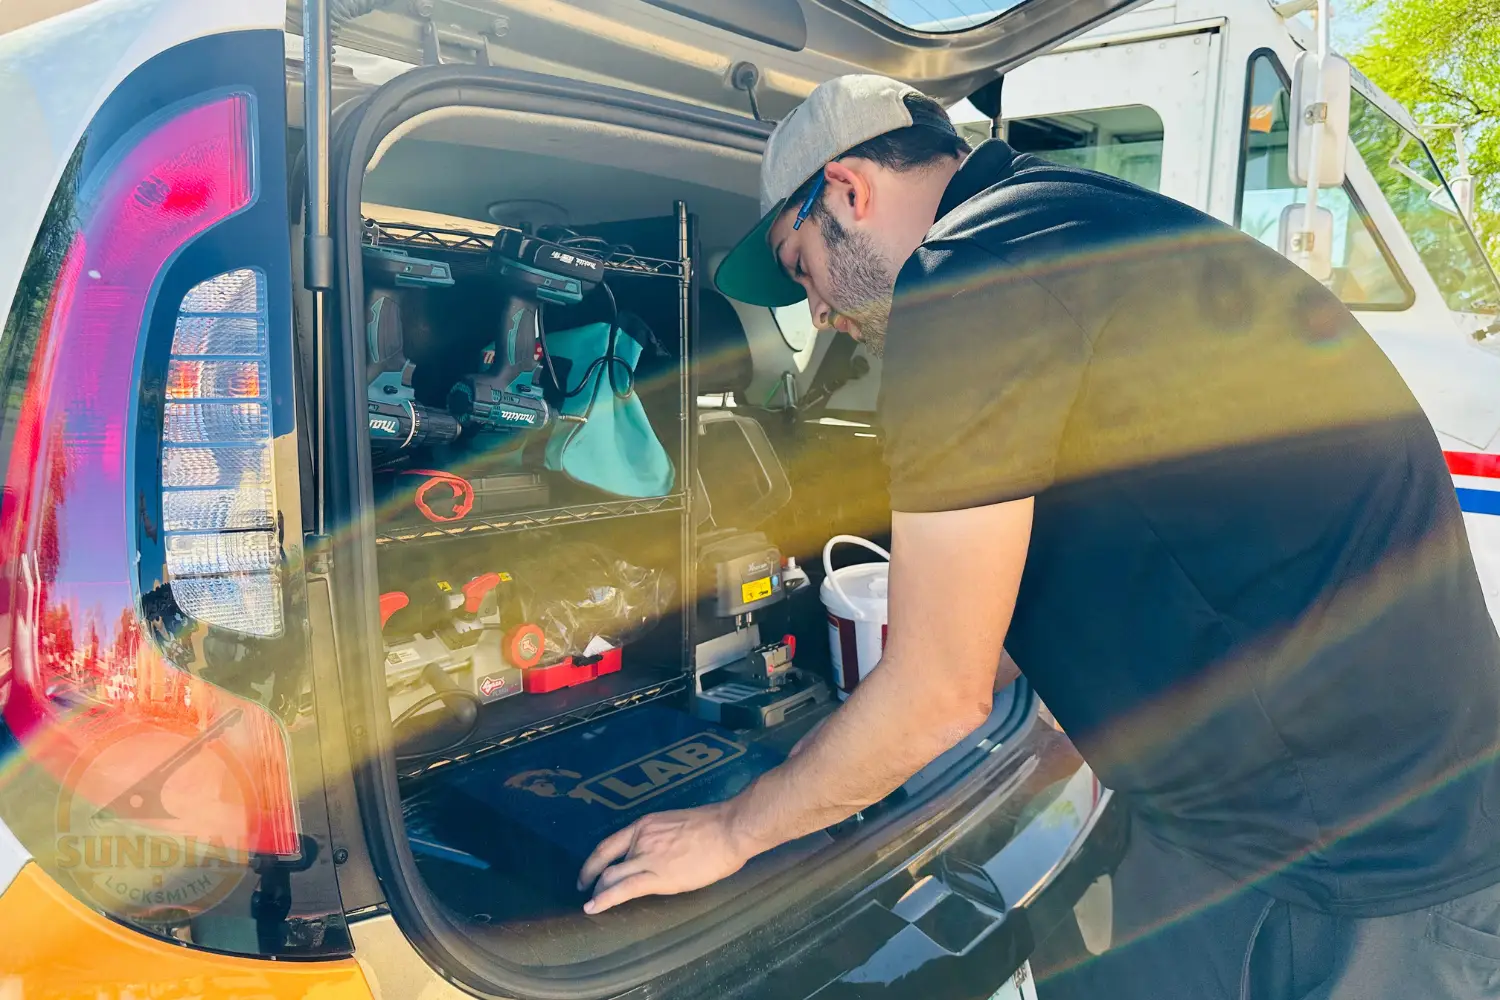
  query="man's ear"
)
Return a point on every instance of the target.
[{"x": 850, "y": 192}]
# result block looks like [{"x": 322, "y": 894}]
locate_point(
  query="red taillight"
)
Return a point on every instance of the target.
[{"x": 83, "y": 668}]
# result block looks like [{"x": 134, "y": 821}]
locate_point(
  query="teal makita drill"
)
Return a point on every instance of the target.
[
  {"x": 398, "y": 423},
  {"x": 503, "y": 400}
]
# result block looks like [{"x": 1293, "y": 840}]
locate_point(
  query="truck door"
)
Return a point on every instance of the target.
[
  {"x": 1409, "y": 270},
  {"x": 1142, "y": 111}
]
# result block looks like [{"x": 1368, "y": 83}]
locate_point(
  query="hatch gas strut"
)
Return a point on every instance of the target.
[{"x": 317, "y": 252}]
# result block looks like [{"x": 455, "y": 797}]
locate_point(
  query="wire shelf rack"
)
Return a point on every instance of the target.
[
  {"x": 515, "y": 721},
  {"x": 591, "y": 711},
  {"x": 496, "y": 524},
  {"x": 395, "y": 234}
]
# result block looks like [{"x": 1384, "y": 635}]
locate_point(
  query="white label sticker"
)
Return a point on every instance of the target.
[
  {"x": 396, "y": 657},
  {"x": 1017, "y": 987}
]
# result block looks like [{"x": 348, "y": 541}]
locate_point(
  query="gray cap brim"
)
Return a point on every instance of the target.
[{"x": 752, "y": 274}]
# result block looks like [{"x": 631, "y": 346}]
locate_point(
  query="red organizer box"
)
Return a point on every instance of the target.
[{"x": 570, "y": 672}]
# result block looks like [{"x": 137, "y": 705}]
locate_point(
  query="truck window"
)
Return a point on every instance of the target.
[
  {"x": 1122, "y": 142},
  {"x": 1414, "y": 187},
  {"x": 1364, "y": 276}
]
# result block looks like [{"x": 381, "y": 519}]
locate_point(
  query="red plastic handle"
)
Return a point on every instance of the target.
[
  {"x": 475, "y": 590},
  {"x": 791, "y": 645},
  {"x": 390, "y": 604}
]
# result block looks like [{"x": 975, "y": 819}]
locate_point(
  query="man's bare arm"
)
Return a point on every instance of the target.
[{"x": 954, "y": 578}]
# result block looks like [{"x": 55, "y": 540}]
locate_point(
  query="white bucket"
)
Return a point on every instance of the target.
[{"x": 855, "y": 597}]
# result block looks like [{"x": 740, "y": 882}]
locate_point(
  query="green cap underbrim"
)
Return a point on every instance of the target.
[{"x": 751, "y": 273}]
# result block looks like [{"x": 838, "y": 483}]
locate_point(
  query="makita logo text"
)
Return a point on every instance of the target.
[
  {"x": 385, "y": 425},
  {"x": 567, "y": 258}
]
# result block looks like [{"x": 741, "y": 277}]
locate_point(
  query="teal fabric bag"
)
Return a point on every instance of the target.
[{"x": 614, "y": 449}]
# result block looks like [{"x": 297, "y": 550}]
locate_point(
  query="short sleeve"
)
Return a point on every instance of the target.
[{"x": 981, "y": 368}]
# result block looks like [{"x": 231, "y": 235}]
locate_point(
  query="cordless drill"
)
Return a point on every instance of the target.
[
  {"x": 502, "y": 400},
  {"x": 398, "y": 424}
]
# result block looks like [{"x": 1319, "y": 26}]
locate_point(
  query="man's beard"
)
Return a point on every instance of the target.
[{"x": 860, "y": 282}]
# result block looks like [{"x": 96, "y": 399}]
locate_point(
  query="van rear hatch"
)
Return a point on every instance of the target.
[{"x": 698, "y": 50}]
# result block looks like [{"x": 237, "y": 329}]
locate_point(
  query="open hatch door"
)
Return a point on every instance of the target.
[{"x": 708, "y": 52}]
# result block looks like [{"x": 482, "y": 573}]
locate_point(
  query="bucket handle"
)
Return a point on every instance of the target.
[{"x": 828, "y": 573}]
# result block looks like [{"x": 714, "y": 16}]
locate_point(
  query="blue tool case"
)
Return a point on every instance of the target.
[{"x": 538, "y": 811}]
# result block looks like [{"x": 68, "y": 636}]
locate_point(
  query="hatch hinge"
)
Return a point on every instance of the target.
[
  {"x": 432, "y": 46},
  {"x": 433, "y": 38},
  {"x": 745, "y": 75}
]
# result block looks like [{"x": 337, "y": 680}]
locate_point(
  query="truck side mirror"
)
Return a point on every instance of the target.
[
  {"x": 1313, "y": 250},
  {"x": 1308, "y": 112}
]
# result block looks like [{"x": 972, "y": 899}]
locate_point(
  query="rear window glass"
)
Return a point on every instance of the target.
[
  {"x": 942, "y": 15},
  {"x": 1122, "y": 142}
]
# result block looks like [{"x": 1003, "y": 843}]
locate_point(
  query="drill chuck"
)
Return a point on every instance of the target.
[{"x": 402, "y": 425}]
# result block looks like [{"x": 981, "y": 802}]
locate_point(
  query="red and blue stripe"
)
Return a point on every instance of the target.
[{"x": 1479, "y": 466}]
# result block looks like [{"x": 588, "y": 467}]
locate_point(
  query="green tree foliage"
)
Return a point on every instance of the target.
[{"x": 1441, "y": 60}]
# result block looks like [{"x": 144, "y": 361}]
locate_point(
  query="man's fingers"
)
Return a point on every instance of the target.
[
  {"x": 632, "y": 887},
  {"x": 615, "y": 874},
  {"x": 610, "y": 849}
]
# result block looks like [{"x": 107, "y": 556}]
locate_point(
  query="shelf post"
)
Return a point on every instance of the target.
[{"x": 687, "y": 409}]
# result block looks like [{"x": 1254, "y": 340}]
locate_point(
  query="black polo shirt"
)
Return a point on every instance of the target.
[{"x": 1249, "y": 597}]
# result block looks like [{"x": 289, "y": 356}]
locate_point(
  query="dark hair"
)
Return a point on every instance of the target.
[{"x": 931, "y": 137}]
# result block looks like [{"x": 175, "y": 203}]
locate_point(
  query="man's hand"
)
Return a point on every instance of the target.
[{"x": 661, "y": 854}]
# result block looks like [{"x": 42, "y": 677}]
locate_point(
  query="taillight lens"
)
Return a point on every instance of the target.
[
  {"x": 218, "y": 494},
  {"x": 83, "y": 664}
]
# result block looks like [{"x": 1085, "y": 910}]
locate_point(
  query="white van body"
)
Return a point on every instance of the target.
[{"x": 1163, "y": 93}]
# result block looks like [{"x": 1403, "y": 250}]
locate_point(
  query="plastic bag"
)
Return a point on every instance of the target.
[
  {"x": 580, "y": 592},
  {"x": 614, "y": 449}
]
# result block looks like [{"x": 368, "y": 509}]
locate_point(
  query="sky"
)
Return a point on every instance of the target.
[
  {"x": 1351, "y": 26},
  {"x": 942, "y": 15}
]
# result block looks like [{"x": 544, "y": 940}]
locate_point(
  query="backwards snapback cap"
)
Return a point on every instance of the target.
[{"x": 838, "y": 115}]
